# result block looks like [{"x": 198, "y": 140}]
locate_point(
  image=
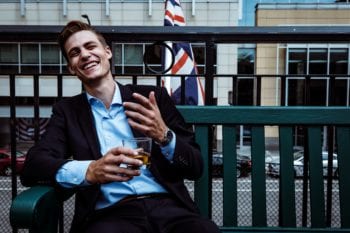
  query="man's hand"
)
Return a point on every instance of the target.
[
  {"x": 144, "y": 116},
  {"x": 107, "y": 169}
]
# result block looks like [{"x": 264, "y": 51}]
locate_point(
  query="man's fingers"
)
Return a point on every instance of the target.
[{"x": 144, "y": 101}]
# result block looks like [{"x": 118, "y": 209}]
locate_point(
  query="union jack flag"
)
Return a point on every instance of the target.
[{"x": 184, "y": 60}]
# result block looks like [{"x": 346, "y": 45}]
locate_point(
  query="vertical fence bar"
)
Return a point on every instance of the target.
[
  {"x": 36, "y": 108},
  {"x": 13, "y": 138},
  {"x": 258, "y": 91},
  {"x": 209, "y": 72},
  {"x": 330, "y": 142},
  {"x": 287, "y": 217},
  {"x": 59, "y": 86},
  {"x": 134, "y": 79},
  {"x": 60, "y": 205},
  {"x": 13, "y": 133},
  {"x": 229, "y": 175},
  {"x": 306, "y": 101},
  {"x": 283, "y": 90},
  {"x": 317, "y": 205},
  {"x": 343, "y": 139},
  {"x": 203, "y": 200},
  {"x": 258, "y": 177},
  {"x": 305, "y": 179},
  {"x": 234, "y": 90},
  {"x": 183, "y": 90},
  {"x": 158, "y": 80}
]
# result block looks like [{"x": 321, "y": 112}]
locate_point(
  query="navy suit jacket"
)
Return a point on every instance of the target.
[{"x": 71, "y": 134}]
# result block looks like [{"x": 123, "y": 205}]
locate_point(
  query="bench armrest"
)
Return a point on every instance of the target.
[{"x": 37, "y": 209}]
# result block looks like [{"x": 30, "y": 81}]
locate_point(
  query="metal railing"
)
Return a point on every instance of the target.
[{"x": 210, "y": 36}]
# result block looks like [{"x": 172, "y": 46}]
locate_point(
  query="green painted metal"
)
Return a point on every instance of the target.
[
  {"x": 36, "y": 209},
  {"x": 230, "y": 174},
  {"x": 317, "y": 200},
  {"x": 343, "y": 136},
  {"x": 258, "y": 177},
  {"x": 229, "y": 117},
  {"x": 259, "y": 115},
  {"x": 202, "y": 194},
  {"x": 287, "y": 216}
]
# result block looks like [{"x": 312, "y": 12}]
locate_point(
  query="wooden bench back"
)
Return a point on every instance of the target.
[{"x": 285, "y": 118}]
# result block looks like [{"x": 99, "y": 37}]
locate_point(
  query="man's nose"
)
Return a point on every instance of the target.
[{"x": 84, "y": 53}]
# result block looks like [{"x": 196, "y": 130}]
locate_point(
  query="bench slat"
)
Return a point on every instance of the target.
[
  {"x": 343, "y": 137},
  {"x": 266, "y": 115},
  {"x": 258, "y": 177},
  {"x": 287, "y": 216},
  {"x": 317, "y": 199},
  {"x": 203, "y": 197},
  {"x": 230, "y": 173}
]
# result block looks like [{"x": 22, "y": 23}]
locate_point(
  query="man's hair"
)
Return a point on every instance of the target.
[{"x": 74, "y": 27}]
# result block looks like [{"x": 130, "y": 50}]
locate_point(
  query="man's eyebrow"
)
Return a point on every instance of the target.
[
  {"x": 84, "y": 45},
  {"x": 89, "y": 43}
]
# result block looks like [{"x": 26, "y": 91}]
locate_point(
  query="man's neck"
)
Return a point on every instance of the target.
[{"x": 104, "y": 91}]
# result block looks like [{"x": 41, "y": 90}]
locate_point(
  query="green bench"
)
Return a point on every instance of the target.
[{"x": 37, "y": 208}]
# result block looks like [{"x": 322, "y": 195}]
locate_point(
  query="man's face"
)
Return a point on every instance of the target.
[{"x": 87, "y": 57}]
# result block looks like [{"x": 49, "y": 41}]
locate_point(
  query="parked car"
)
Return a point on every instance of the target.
[
  {"x": 5, "y": 162},
  {"x": 274, "y": 166},
  {"x": 243, "y": 166}
]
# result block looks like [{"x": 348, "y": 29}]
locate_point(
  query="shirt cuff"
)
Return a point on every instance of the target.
[
  {"x": 168, "y": 150},
  {"x": 72, "y": 174}
]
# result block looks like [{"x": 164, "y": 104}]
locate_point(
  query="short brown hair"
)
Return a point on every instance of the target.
[{"x": 74, "y": 27}]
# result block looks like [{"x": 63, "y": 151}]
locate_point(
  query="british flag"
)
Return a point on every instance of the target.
[{"x": 184, "y": 60}]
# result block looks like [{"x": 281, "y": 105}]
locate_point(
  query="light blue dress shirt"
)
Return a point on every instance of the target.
[{"x": 112, "y": 126}]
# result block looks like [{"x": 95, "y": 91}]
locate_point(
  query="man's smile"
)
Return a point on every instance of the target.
[{"x": 90, "y": 65}]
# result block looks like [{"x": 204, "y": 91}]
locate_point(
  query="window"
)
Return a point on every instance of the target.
[
  {"x": 128, "y": 58},
  {"x": 245, "y": 86},
  {"x": 29, "y": 58},
  {"x": 199, "y": 57},
  {"x": 318, "y": 61},
  {"x": 133, "y": 62},
  {"x": 338, "y": 63},
  {"x": 297, "y": 61},
  {"x": 8, "y": 58},
  {"x": 246, "y": 61},
  {"x": 323, "y": 61},
  {"x": 50, "y": 58}
]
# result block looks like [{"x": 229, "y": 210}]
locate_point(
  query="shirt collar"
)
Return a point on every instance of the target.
[{"x": 117, "y": 99}]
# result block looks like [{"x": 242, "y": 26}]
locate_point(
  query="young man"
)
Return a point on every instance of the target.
[{"x": 82, "y": 149}]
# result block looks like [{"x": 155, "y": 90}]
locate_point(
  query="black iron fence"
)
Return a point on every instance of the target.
[{"x": 11, "y": 104}]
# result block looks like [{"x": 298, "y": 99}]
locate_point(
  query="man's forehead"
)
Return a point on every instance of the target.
[{"x": 80, "y": 38}]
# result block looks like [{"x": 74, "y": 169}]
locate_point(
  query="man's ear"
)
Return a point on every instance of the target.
[{"x": 109, "y": 52}]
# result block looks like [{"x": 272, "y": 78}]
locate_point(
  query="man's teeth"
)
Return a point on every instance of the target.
[{"x": 88, "y": 66}]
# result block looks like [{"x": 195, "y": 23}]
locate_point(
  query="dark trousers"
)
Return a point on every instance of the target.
[{"x": 149, "y": 215}]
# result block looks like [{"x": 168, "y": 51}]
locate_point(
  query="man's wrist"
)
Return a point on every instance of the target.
[{"x": 167, "y": 138}]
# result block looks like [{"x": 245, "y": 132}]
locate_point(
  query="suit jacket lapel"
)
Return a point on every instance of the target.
[
  {"x": 126, "y": 94},
  {"x": 86, "y": 123}
]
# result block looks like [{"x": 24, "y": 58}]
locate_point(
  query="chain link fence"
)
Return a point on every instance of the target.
[{"x": 243, "y": 200}]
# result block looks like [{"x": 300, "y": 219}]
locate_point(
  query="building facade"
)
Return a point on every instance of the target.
[{"x": 241, "y": 59}]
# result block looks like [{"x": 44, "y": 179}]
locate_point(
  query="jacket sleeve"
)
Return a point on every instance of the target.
[
  {"x": 187, "y": 161},
  {"x": 49, "y": 154}
]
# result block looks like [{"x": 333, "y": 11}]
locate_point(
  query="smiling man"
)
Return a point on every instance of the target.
[{"x": 82, "y": 149}]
